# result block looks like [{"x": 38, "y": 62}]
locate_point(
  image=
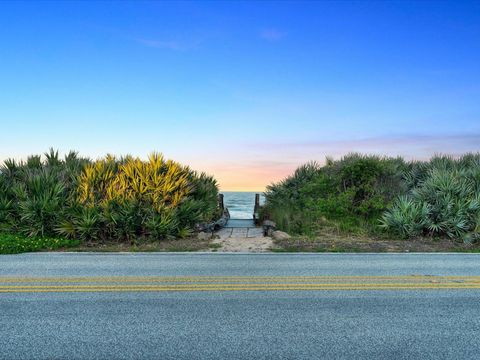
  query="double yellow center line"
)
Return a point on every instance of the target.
[{"x": 233, "y": 283}]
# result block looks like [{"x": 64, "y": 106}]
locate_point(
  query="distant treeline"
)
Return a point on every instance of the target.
[
  {"x": 372, "y": 194},
  {"x": 119, "y": 199}
]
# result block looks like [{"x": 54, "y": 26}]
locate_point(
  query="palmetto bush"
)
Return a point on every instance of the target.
[
  {"x": 34, "y": 194},
  {"x": 443, "y": 199},
  {"x": 110, "y": 198},
  {"x": 39, "y": 199},
  {"x": 156, "y": 198},
  {"x": 6, "y": 205},
  {"x": 408, "y": 217}
]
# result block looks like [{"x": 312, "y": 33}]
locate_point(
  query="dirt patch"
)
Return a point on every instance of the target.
[
  {"x": 242, "y": 244},
  {"x": 350, "y": 243}
]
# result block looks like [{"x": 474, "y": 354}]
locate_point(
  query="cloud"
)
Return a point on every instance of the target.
[{"x": 272, "y": 34}]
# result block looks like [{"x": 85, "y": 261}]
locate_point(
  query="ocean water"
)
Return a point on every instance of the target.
[{"x": 241, "y": 204}]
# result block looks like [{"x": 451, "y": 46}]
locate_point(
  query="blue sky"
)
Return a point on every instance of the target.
[{"x": 244, "y": 90}]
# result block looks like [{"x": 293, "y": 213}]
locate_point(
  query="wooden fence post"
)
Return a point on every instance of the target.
[
  {"x": 256, "y": 209},
  {"x": 220, "y": 202}
]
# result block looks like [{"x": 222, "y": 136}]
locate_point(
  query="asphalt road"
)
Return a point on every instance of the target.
[{"x": 240, "y": 306}]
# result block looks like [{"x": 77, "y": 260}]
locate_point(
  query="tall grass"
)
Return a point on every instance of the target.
[{"x": 108, "y": 199}]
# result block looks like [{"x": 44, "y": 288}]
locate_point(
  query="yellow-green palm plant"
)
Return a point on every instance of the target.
[
  {"x": 134, "y": 194},
  {"x": 156, "y": 182},
  {"x": 94, "y": 183}
]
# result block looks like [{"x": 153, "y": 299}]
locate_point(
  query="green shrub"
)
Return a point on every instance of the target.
[
  {"x": 40, "y": 198},
  {"x": 440, "y": 197},
  {"x": 443, "y": 199},
  {"x": 349, "y": 193},
  {"x": 407, "y": 217},
  {"x": 108, "y": 199}
]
